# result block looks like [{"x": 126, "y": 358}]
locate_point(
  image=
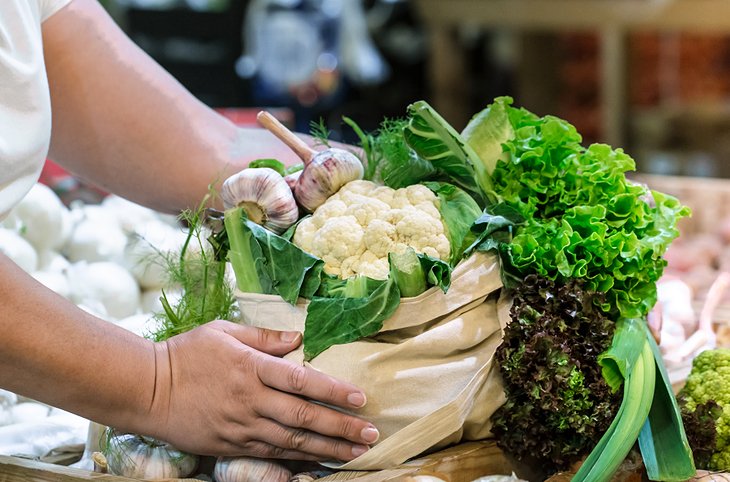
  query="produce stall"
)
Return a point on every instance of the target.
[{"x": 509, "y": 262}]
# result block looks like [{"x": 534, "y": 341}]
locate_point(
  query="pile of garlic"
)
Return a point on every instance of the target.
[{"x": 106, "y": 259}]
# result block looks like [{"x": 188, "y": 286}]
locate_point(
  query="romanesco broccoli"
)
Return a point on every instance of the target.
[{"x": 705, "y": 401}]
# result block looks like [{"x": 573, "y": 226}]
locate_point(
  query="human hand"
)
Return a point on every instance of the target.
[{"x": 221, "y": 389}]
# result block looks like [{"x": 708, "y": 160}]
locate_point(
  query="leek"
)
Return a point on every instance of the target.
[
  {"x": 621, "y": 436},
  {"x": 663, "y": 442}
]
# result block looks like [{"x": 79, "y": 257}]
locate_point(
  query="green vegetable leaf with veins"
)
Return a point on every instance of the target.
[
  {"x": 434, "y": 140},
  {"x": 458, "y": 212},
  {"x": 267, "y": 263},
  {"x": 332, "y": 321}
]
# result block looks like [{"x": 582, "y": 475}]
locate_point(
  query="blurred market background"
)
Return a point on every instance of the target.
[{"x": 650, "y": 75}]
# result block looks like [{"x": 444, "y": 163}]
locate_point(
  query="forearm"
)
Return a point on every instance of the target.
[
  {"x": 54, "y": 352},
  {"x": 122, "y": 122}
]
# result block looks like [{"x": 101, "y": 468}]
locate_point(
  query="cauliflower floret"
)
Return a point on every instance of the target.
[
  {"x": 372, "y": 266},
  {"x": 354, "y": 230},
  {"x": 429, "y": 208},
  {"x": 339, "y": 238},
  {"x": 380, "y": 237},
  {"x": 304, "y": 234},
  {"x": 358, "y": 187},
  {"x": 418, "y": 194},
  {"x": 384, "y": 193},
  {"x": 333, "y": 208},
  {"x": 377, "y": 269},
  {"x": 414, "y": 226},
  {"x": 366, "y": 209},
  {"x": 350, "y": 266},
  {"x": 400, "y": 200}
]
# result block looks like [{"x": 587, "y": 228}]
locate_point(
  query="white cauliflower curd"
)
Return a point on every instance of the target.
[{"x": 356, "y": 228}]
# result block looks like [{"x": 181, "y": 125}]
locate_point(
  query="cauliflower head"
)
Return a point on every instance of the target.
[{"x": 356, "y": 228}]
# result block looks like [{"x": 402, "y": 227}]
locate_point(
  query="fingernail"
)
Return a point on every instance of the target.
[
  {"x": 370, "y": 434},
  {"x": 289, "y": 336},
  {"x": 358, "y": 450},
  {"x": 356, "y": 399}
]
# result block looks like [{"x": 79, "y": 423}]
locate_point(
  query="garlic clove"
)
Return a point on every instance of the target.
[
  {"x": 249, "y": 469},
  {"x": 325, "y": 175},
  {"x": 292, "y": 179},
  {"x": 264, "y": 195}
]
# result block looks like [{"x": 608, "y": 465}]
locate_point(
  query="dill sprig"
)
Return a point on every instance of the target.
[
  {"x": 206, "y": 293},
  {"x": 389, "y": 159},
  {"x": 319, "y": 131}
]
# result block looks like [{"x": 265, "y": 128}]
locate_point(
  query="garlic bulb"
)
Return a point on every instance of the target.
[
  {"x": 324, "y": 172},
  {"x": 327, "y": 172},
  {"x": 141, "y": 457},
  {"x": 264, "y": 195},
  {"x": 249, "y": 469}
]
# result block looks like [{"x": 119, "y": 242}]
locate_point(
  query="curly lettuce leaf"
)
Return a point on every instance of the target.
[{"x": 583, "y": 218}]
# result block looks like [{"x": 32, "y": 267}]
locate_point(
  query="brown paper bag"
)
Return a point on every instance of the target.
[{"x": 429, "y": 374}]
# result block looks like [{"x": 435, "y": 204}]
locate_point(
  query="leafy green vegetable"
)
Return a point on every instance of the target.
[
  {"x": 458, "y": 212},
  {"x": 296, "y": 273},
  {"x": 259, "y": 256},
  {"x": 583, "y": 219},
  {"x": 485, "y": 133},
  {"x": 662, "y": 440},
  {"x": 558, "y": 404},
  {"x": 332, "y": 286},
  {"x": 389, "y": 159},
  {"x": 438, "y": 272},
  {"x": 332, "y": 321},
  {"x": 434, "y": 140},
  {"x": 408, "y": 273},
  {"x": 274, "y": 164},
  {"x": 492, "y": 229}
]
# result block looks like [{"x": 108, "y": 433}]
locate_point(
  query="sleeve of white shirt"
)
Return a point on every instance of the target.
[{"x": 49, "y": 7}]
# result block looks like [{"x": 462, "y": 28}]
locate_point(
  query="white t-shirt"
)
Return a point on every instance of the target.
[{"x": 25, "y": 104}]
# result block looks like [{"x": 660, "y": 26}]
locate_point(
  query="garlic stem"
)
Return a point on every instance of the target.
[
  {"x": 300, "y": 148},
  {"x": 324, "y": 173}
]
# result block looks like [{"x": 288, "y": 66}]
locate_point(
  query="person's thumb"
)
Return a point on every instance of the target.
[{"x": 268, "y": 341}]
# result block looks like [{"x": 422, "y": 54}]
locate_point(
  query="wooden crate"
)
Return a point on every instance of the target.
[{"x": 462, "y": 463}]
